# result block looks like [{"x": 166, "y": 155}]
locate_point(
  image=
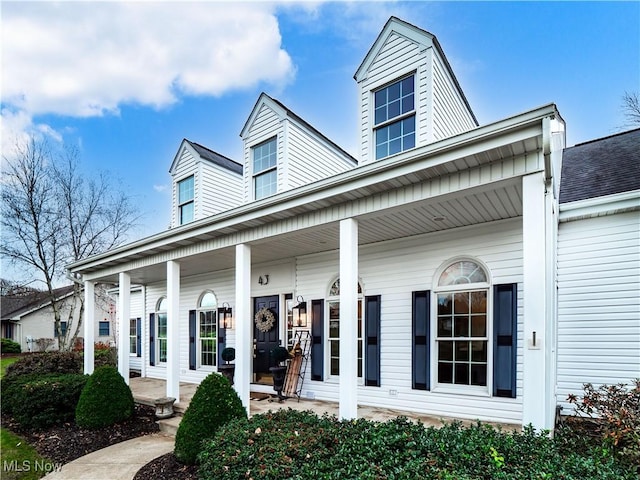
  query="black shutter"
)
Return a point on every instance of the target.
[
  {"x": 152, "y": 339},
  {"x": 372, "y": 340},
  {"x": 192, "y": 339},
  {"x": 221, "y": 336},
  {"x": 138, "y": 337},
  {"x": 420, "y": 344},
  {"x": 317, "y": 342},
  {"x": 504, "y": 340}
]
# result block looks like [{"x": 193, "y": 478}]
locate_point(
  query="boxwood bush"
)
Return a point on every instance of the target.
[
  {"x": 39, "y": 401},
  {"x": 299, "y": 445},
  {"x": 9, "y": 346},
  {"x": 106, "y": 399},
  {"x": 214, "y": 404}
]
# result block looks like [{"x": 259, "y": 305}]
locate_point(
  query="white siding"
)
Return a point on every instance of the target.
[
  {"x": 186, "y": 166},
  {"x": 220, "y": 189},
  {"x": 598, "y": 302},
  {"x": 394, "y": 270}
]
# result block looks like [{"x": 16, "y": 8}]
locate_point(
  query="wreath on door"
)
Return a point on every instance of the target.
[{"x": 264, "y": 319}]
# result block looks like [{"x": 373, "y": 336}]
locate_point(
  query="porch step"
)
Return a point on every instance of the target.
[{"x": 169, "y": 426}]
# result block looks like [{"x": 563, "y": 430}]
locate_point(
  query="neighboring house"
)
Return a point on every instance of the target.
[
  {"x": 424, "y": 271},
  {"x": 28, "y": 319}
]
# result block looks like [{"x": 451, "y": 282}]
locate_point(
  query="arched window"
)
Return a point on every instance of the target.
[
  {"x": 161, "y": 329},
  {"x": 462, "y": 329},
  {"x": 207, "y": 329},
  {"x": 333, "y": 307}
]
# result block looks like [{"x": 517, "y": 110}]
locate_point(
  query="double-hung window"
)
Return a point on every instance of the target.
[
  {"x": 103, "y": 329},
  {"x": 333, "y": 303},
  {"x": 161, "y": 336},
  {"x": 265, "y": 172},
  {"x": 186, "y": 200},
  {"x": 133, "y": 336},
  {"x": 395, "y": 117},
  {"x": 462, "y": 336}
]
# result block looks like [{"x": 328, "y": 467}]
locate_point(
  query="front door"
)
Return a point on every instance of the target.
[{"x": 265, "y": 340}]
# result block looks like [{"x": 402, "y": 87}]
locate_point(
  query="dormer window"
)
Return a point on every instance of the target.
[
  {"x": 395, "y": 118},
  {"x": 185, "y": 200},
  {"x": 265, "y": 173}
]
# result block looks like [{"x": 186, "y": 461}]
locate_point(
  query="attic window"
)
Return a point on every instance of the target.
[
  {"x": 395, "y": 117},
  {"x": 185, "y": 200},
  {"x": 265, "y": 172}
]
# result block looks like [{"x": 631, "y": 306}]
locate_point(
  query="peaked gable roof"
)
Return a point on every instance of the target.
[
  {"x": 13, "y": 306},
  {"x": 417, "y": 35},
  {"x": 600, "y": 167},
  {"x": 206, "y": 154},
  {"x": 283, "y": 111}
]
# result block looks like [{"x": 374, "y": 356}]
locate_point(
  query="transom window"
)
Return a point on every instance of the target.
[
  {"x": 462, "y": 328},
  {"x": 333, "y": 304},
  {"x": 186, "y": 200},
  {"x": 265, "y": 173},
  {"x": 161, "y": 329},
  {"x": 395, "y": 121},
  {"x": 208, "y": 329}
]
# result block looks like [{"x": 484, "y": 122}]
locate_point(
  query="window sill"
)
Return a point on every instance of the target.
[{"x": 471, "y": 391}]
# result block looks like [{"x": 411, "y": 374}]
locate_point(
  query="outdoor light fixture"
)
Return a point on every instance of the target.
[
  {"x": 225, "y": 316},
  {"x": 300, "y": 312}
]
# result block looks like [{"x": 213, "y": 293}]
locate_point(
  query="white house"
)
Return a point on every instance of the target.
[{"x": 425, "y": 270}]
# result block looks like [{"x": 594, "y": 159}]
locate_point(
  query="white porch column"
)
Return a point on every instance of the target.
[
  {"x": 124, "y": 310},
  {"x": 89, "y": 326},
  {"x": 535, "y": 401},
  {"x": 348, "y": 318},
  {"x": 173, "y": 330},
  {"x": 244, "y": 324}
]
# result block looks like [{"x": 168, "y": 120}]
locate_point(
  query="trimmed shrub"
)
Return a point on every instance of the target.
[
  {"x": 9, "y": 346},
  {"x": 46, "y": 363},
  {"x": 39, "y": 401},
  {"x": 293, "y": 444},
  {"x": 106, "y": 399},
  {"x": 105, "y": 357},
  {"x": 214, "y": 404}
]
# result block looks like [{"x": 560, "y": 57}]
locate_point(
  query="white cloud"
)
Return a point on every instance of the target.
[
  {"x": 89, "y": 58},
  {"x": 161, "y": 188}
]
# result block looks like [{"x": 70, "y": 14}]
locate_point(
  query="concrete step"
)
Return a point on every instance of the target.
[{"x": 169, "y": 426}]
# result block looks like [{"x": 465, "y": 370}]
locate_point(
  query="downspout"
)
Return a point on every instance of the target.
[{"x": 546, "y": 150}]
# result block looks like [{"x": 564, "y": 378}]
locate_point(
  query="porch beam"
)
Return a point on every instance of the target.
[
  {"x": 536, "y": 348},
  {"x": 89, "y": 326},
  {"x": 173, "y": 330},
  {"x": 348, "y": 319},
  {"x": 124, "y": 312},
  {"x": 244, "y": 324}
]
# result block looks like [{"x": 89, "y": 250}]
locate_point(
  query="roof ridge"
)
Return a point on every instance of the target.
[{"x": 606, "y": 137}]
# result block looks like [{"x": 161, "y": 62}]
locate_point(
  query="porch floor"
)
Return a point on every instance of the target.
[{"x": 146, "y": 390}]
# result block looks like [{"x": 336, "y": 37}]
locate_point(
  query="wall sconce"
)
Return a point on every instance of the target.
[
  {"x": 225, "y": 316},
  {"x": 300, "y": 313}
]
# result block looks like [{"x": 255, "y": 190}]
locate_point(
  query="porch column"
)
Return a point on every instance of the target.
[
  {"x": 348, "y": 318},
  {"x": 124, "y": 310},
  {"x": 244, "y": 324},
  {"x": 536, "y": 349},
  {"x": 89, "y": 326},
  {"x": 173, "y": 329}
]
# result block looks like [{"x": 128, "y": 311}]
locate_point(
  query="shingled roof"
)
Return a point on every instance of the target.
[
  {"x": 601, "y": 167},
  {"x": 215, "y": 157},
  {"x": 14, "y": 306}
]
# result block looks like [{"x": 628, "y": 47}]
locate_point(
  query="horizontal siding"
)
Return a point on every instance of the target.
[
  {"x": 186, "y": 166},
  {"x": 394, "y": 270},
  {"x": 221, "y": 189},
  {"x": 598, "y": 302}
]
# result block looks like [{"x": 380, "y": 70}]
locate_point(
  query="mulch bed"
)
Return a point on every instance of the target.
[{"x": 167, "y": 467}]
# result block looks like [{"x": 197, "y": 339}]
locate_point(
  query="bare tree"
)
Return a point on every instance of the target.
[
  {"x": 52, "y": 215},
  {"x": 631, "y": 106}
]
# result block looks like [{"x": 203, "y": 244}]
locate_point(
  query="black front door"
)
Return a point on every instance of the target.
[{"x": 265, "y": 341}]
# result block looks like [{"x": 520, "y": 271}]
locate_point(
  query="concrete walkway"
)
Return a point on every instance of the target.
[{"x": 117, "y": 462}]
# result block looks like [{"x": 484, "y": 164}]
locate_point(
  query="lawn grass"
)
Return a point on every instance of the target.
[{"x": 19, "y": 461}]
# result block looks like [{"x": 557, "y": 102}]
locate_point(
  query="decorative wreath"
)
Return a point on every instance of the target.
[{"x": 264, "y": 319}]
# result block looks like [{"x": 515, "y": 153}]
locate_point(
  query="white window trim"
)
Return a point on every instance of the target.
[
  {"x": 135, "y": 336},
  {"x": 180, "y": 205},
  {"x": 199, "y": 366},
  {"x": 158, "y": 362},
  {"x": 255, "y": 173}
]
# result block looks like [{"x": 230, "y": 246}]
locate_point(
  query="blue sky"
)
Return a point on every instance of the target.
[{"x": 127, "y": 81}]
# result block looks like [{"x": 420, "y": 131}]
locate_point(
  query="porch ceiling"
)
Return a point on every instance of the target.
[{"x": 442, "y": 213}]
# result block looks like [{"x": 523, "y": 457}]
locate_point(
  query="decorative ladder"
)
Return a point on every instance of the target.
[{"x": 297, "y": 367}]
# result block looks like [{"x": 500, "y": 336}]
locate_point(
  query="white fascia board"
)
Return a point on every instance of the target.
[
  {"x": 479, "y": 139},
  {"x": 592, "y": 207}
]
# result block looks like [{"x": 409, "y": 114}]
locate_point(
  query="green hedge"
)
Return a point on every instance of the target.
[
  {"x": 46, "y": 363},
  {"x": 39, "y": 401},
  {"x": 106, "y": 399},
  {"x": 214, "y": 404},
  {"x": 9, "y": 346},
  {"x": 300, "y": 445}
]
